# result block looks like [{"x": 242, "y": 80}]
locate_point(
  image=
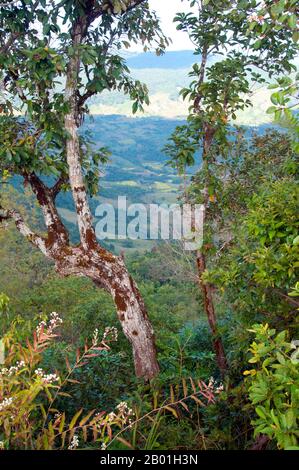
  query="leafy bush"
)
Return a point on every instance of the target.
[{"x": 273, "y": 386}]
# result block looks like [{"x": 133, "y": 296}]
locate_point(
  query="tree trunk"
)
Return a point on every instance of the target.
[
  {"x": 109, "y": 272},
  {"x": 201, "y": 261},
  {"x": 210, "y": 312},
  {"x": 133, "y": 317},
  {"x": 91, "y": 259}
]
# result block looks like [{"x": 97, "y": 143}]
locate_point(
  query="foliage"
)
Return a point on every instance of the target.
[
  {"x": 280, "y": 16},
  {"x": 255, "y": 257},
  {"x": 285, "y": 106},
  {"x": 273, "y": 386},
  {"x": 183, "y": 341},
  {"x": 29, "y": 418},
  {"x": 275, "y": 227},
  {"x": 219, "y": 28},
  {"x": 30, "y": 415},
  {"x": 36, "y": 51},
  {"x": 169, "y": 407}
]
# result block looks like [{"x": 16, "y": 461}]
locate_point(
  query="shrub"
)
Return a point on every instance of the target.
[
  {"x": 273, "y": 386},
  {"x": 29, "y": 418}
]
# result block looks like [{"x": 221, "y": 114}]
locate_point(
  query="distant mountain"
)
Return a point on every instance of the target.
[
  {"x": 137, "y": 168},
  {"x": 169, "y": 60},
  {"x": 165, "y": 76}
]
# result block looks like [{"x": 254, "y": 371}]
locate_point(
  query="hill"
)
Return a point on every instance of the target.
[
  {"x": 170, "y": 60},
  {"x": 137, "y": 168},
  {"x": 165, "y": 76}
]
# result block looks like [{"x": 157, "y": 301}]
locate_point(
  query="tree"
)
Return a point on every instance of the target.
[
  {"x": 54, "y": 56},
  {"x": 258, "y": 202},
  {"x": 281, "y": 16},
  {"x": 218, "y": 90}
]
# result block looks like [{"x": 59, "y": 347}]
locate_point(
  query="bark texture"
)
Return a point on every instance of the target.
[{"x": 110, "y": 273}]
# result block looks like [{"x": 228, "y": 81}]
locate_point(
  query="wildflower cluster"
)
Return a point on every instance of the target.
[
  {"x": 49, "y": 327},
  {"x": 123, "y": 414},
  {"x": 74, "y": 443},
  {"x": 123, "y": 410},
  {"x": 22, "y": 380},
  {"x": 8, "y": 372},
  {"x": 6, "y": 403},
  {"x": 46, "y": 378},
  {"x": 95, "y": 337},
  {"x": 213, "y": 385},
  {"x": 110, "y": 333}
]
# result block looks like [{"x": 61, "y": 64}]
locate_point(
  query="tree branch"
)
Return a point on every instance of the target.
[
  {"x": 55, "y": 190},
  {"x": 24, "y": 230},
  {"x": 57, "y": 233},
  {"x": 79, "y": 31}
]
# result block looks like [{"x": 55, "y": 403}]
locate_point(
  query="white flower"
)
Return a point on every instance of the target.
[
  {"x": 74, "y": 443},
  {"x": 260, "y": 19},
  {"x": 103, "y": 446},
  {"x": 41, "y": 326},
  {"x": 12, "y": 370},
  {"x": 125, "y": 413},
  {"x": 46, "y": 378},
  {"x": 124, "y": 409},
  {"x": 6, "y": 403},
  {"x": 54, "y": 322},
  {"x": 211, "y": 382},
  {"x": 111, "y": 417},
  {"x": 4, "y": 371},
  {"x": 1, "y": 445},
  {"x": 110, "y": 331},
  {"x": 95, "y": 337},
  {"x": 50, "y": 378}
]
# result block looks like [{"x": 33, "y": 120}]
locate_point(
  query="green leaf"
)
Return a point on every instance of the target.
[
  {"x": 135, "y": 107},
  {"x": 296, "y": 241},
  {"x": 271, "y": 110},
  {"x": 292, "y": 21},
  {"x": 261, "y": 412}
]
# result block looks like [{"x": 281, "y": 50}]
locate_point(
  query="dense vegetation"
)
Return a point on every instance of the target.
[{"x": 68, "y": 380}]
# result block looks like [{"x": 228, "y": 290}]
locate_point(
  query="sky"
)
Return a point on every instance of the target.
[{"x": 166, "y": 10}]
